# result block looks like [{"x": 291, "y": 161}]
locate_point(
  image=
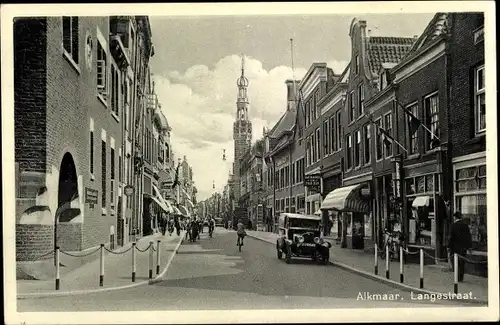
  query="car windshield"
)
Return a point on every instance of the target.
[{"x": 304, "y": 223}]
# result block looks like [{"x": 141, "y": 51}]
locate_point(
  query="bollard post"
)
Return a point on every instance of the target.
[
  {"x": 376, "y": 259},
  {"x": 133, "y": 262},
  {"x": 421, "y": 268},
  {"x": 455, "y": 273},
  {"x": 111, "y": 237},
  {"x": 58, "y": 271},
  {"x": 401, "y": 276},
  {"x": 387, "y": 274},
  {"x": 158, "y": 257},
  {"x": 150, "y": 259},
  {"x": 101, "y": 273}
]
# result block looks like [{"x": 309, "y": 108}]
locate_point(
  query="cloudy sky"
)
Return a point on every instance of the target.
[{"x": 197, "y": 61}]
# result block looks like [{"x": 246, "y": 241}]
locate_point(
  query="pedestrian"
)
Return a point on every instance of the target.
[
  {"x": 459, "y": 242},
  {"x": 249, "y": 224}
]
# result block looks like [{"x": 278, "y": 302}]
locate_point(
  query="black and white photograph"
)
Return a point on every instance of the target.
[{"x": 249, "y": 162}]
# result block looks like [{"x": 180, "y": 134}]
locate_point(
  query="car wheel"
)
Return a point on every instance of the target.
[
  {"x": 326, "y": 258},
  {"x": 288, "y": 257},
  {"x": 278, "y": 250}
]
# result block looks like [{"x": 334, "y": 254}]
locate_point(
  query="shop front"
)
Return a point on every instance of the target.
[
  {"x": 352, "y": 204},
  {"x": 427, "y": 214},
  {"x": 331, "y": 181},
  {"x": 469, "y": 176}
]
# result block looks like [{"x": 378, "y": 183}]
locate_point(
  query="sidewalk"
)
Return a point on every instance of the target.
[
  {"x": 117, "y": 269},
  {"x": 435, "y": 280}
]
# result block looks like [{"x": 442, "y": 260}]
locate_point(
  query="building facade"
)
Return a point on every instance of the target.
[
  {"x": 285, "y": 158},
  {"x": 69, "y": 173},
  {"x": 467, "y": 137}
]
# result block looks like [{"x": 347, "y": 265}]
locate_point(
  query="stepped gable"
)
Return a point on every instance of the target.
[{"x": 387, "y": 50}]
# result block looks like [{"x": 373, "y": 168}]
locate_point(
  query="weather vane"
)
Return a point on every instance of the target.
[{"x": 213, "y": 185}]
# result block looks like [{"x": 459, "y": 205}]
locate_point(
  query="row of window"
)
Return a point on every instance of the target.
[
  {"x": 104, "y": 171},
  {"x": 312, "y": 109},
  {"x": 288, "y": 175},
  {"x": 291, "y": 205},
  {"x": 332, "y": 140},
  {"x": 356, "y": 110}
]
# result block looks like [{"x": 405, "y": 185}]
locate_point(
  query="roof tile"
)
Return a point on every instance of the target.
[{"x": 387, "y": 50}]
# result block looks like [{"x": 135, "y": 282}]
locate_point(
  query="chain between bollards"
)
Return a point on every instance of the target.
[
  {"x": 133, "y": 262},
  {"x": 101, "y": 273},
  {"x": 58, "y": 273},
  {"x": 158, "y": 257}
]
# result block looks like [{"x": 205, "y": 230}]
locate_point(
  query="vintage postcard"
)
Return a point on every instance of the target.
[{"x": 249, "y": 162}]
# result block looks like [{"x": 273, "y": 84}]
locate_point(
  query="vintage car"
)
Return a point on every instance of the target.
[{"x": 300, "y": 236}]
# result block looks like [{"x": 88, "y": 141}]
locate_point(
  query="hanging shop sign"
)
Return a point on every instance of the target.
[{"x": 313, "y": 182}]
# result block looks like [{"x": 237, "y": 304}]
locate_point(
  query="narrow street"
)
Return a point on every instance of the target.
[{"x": 212, "y": 274}]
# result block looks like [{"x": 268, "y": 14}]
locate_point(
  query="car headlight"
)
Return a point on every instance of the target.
[{"x": 316, "y": 240}]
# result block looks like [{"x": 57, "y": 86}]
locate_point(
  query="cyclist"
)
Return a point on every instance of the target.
[
  {"x": 241, "y": 232},
  {"x": 211, "y": 225}
]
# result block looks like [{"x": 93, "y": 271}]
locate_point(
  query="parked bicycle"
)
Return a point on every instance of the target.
[{"x": 394, "y": 240}]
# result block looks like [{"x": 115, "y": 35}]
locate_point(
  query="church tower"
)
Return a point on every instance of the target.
[{"x": 242, "y": 127}]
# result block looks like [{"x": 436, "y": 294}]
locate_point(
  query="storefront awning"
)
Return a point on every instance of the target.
[
  {"x": 160, "y": 204},
  {"x": 159, "y": 199},
  {"x": 176, "y": 211},
  {"x": 421, "y": 201},
  {"x": 183, "y": 210},
  {"x": 348, "y": 199}
]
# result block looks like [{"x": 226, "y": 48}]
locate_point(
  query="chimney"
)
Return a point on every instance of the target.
[{"x": 290, "y": 94}]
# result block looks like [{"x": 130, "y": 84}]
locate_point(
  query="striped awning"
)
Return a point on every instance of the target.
[
  {"x": 421, "y": 201},
  {"x": 159, "y": 199},
  {"x": 159, "y": 203},
  {"x": 347, "y": 199},
  {"x": 176, "y": 210},
  {"x": 184, "y": 211}
]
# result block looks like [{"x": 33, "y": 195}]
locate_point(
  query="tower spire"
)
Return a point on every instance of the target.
[{"x": 242, "y": 64}]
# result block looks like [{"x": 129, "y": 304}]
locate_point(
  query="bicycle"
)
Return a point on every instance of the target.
[{"x": 240, "y": 242}]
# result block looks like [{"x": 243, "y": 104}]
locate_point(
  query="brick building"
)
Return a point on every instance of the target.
[
  {"x": 75, "y": 107},
  {"x": 331, "y": 105},
  {"x": 357, "y": 197},
  {"x": 285, "y": 158},
  {"x": 312, "y": 88},
  {"x": 68, "y": 113},
  {"x": 467, "y": 118},
  {"x": 253, "y": 194}
]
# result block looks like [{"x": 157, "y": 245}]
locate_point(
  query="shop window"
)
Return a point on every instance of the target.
[
  {"x": 471, "y": 179},
  {"x": 420, "y": 184},
  {"x": 473, "y": 208},
  {"x": 420, "y": 224},
  {"x": 429, "y": 183}
]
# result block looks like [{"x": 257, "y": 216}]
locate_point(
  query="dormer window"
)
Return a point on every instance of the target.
[
  {"x": 357, "y": 64},
  {"x": 383, "y": 80}
]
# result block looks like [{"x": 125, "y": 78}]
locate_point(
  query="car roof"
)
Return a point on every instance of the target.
[{"x": 301, "y": 216}]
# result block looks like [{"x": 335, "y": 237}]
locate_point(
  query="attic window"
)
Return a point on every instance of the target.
[
  {"x": 383, "y": 80},
  {"x": 479, "y": 35}
]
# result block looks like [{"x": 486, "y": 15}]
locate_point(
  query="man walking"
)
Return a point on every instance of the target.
[{"x": 460, "y": 240}]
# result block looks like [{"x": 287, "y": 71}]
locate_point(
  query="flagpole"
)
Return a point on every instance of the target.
[
  {"x": 378, "y": 127},
  {"x": 423, "y": 125}
]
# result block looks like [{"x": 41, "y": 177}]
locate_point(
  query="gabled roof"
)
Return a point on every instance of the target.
[
  {"x": 387, "y": 50},
  {"x": 286, "y": 123},
  {"x": 438, "y": 26}
]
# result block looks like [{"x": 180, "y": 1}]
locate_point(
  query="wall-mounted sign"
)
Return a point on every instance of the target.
[
  {"x": 312, "y": 181},
  {"x": 91, "y": 196}
]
